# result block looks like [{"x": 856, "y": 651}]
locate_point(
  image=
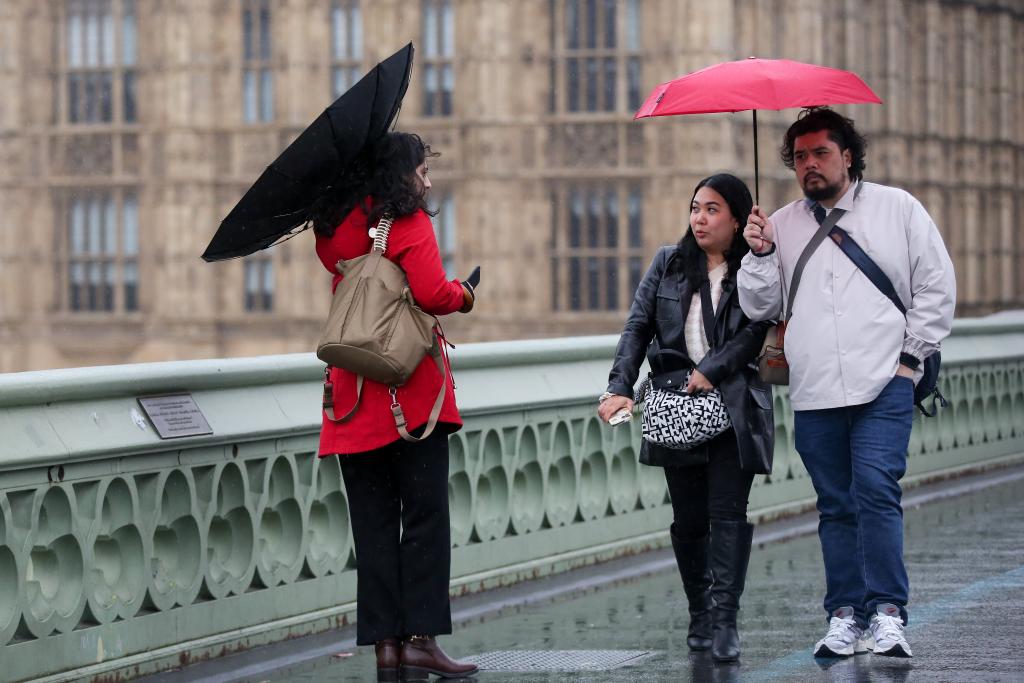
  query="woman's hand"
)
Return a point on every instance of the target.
[
  {"x": 698, "y": 383},
  {"x": 759, "y": 232},
  {"x": 612, "y": 405},
  {"x": 468, "y": 299}
]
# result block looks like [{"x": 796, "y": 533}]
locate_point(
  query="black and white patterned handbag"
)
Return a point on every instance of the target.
[{"x": 675, "y": 419}]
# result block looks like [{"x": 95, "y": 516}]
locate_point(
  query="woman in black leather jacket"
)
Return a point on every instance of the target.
[{"x": 709, "y": 485}]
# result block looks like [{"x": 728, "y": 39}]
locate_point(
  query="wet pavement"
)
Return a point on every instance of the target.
[{"x": 965, "y": 556}]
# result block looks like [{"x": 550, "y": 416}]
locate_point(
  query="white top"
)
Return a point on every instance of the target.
[
  {"x": 696, "y": 339},
  {"x": 845, "y": 337}
]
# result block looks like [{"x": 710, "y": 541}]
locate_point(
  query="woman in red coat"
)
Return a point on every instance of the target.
[{"x": 397, "y": 489}]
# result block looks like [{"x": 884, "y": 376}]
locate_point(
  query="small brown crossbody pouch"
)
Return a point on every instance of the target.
[{"x": 771, "y": 362}]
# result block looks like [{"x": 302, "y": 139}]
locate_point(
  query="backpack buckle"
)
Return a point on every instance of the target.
[
  {"x": 396, "y": 409},
  {"x": 328, "y": 398}
]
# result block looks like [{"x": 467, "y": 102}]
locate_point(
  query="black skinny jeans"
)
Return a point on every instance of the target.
[
  {"x": 398, "y": 503},
  {"x": 713, "y": 492}
]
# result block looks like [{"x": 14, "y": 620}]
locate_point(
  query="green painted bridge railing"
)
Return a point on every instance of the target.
[{"x": 122, "y": 554}]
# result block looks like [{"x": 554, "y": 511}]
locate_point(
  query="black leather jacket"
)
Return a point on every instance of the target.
[{"x": 656, "y": 321}]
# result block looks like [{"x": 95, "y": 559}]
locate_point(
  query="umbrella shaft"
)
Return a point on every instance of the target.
[{"x": 757, "y": 184}]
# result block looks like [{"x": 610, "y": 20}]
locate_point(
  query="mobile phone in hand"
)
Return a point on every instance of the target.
[
  {"x": 624, "y": 415},
  {"x": 474, "y": 278}
]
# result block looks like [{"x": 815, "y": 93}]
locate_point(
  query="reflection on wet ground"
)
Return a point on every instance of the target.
[{"x": 964, "y": 555}]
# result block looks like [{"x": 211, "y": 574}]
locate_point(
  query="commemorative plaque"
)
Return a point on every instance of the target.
[{"x": 175, "y": 416}]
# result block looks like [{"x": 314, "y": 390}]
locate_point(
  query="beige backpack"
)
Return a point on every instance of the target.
[{"x": 376, "y": 330}]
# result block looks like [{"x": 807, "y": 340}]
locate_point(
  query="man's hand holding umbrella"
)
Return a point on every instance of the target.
[{"x": 758, "y": 232}]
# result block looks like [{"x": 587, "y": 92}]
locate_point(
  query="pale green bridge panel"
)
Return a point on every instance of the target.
[{"x": 123, "y": 552}]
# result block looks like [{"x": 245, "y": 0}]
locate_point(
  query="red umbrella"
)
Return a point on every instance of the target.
[{"x": 754, "y": 84}]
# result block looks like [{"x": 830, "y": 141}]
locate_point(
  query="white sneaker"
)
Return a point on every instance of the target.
[
  {"x": 844, "y": 636},
  {"x": 887, "y": 628}
]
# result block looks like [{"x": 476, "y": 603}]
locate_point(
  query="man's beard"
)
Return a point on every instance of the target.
[{"x": 821, "y": 193}]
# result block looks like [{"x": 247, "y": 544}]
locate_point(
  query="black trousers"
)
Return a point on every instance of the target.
[
  {"x": 717, "y": 490},
  {"x": 398, "y": 504}
]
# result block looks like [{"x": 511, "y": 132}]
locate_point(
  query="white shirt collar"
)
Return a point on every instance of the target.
[{"x": 845, "y": 202}]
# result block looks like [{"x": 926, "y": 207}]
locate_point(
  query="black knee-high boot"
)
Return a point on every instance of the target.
[
  {"x": 730, "y": 554},
  {"x": 692, "y": 560}
]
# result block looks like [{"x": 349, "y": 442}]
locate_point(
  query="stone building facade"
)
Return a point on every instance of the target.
[{"x": 128, "y": 129}]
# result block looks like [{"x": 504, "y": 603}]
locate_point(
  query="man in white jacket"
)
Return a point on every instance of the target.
[{"x": 854, "y": 360}]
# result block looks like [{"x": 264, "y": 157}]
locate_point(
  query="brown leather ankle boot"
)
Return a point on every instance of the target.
[
  {"x": 387, "y": 659},
  {"x": 422, "y": 656}
]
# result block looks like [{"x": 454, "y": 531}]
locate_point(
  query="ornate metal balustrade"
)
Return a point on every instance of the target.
[{"x": 123, "y": 553}]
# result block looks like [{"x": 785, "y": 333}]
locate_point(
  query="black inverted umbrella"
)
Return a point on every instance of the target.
[{"x": 280, "y": 199}]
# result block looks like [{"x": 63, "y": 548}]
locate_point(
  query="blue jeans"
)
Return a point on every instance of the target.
[{"x": 856, "y": 456}]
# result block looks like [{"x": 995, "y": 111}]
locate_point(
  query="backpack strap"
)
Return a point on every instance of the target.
[
  {"x": 435, "y": 412},
  {"x": 380, "y": 245},
  {"x": 396, "y": 408},
  {"x": 329, "y": 397},
  {"x": 381, "y": 232}
]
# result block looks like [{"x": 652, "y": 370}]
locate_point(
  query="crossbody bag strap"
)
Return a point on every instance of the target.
[
  {"x": 707, "y": 312},
  {"x": 867, "y": 266},
  {"x": 879, "y": 279},
  {"x": 816, "y": 240},
  {"x": 435, "y": 412}
]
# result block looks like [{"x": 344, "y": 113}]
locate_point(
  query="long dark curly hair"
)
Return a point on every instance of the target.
[
  {"x": 691, "y": 261},
  {"x": 840, "y": 131},
  {"x": 384, "y": 173}
]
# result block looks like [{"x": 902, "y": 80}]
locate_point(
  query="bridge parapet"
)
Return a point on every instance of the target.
[{"x": 121, "y": 553}]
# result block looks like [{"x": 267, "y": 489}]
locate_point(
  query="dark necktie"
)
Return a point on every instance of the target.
[{"x": 819, "y": 213}]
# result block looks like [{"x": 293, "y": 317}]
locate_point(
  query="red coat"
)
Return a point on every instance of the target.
[{"x": 413, "y": 246}]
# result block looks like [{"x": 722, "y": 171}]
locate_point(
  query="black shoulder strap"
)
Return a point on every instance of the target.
[
  {"x": 707, "y": 311},
  {"x": 867, "y": 266},
  {"x": 880, "y": 280}
]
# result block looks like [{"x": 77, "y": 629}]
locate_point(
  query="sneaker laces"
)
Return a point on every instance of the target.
[
  {"x": 888, "y": 627},
  {"x": 843, "y": 629}
]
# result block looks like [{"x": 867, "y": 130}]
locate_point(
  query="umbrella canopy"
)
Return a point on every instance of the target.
[
  {"x": 280, "y": 199},
  {"x": 756, "y": 84}
]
